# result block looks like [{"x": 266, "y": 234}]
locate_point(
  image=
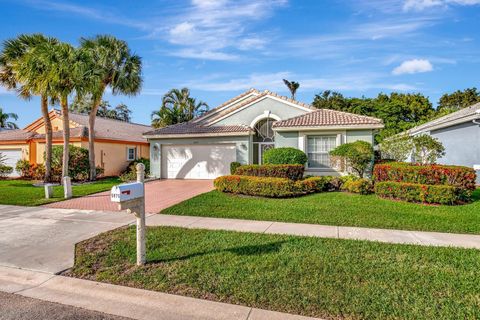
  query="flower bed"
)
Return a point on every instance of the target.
[
  {"x": 267, "y": 186},
  {"x": 433, "y": 174},
  {"x": 422, "y": 193}
]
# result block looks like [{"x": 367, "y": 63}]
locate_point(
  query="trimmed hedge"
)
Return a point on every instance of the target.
[
  {"x": 414, "y": 192},
  {"x": 433, "y": 174},
  {"x": 265, "y": 186},
  {"x": 361, "y": 186},
  {"x": 234, "y": 166},
  {"x": 286, "y": 171},
  {"x": 284, "y": 156}
]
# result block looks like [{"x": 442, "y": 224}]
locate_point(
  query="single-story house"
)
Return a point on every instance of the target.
[
  {"x": 459, "y": 132},
  {"x": 116, "y": 142},
  {"x": 243, "y": 128}
]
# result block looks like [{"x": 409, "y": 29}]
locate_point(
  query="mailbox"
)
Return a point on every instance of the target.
[{"x": 127, "y": 192}]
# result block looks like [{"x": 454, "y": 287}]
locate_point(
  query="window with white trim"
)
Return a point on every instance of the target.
[
  {"x": 318, "y": 148},
  {"x": 131, "y": 154}
]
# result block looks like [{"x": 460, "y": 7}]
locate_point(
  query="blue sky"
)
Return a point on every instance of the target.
[{"x": 219, "y": 48}]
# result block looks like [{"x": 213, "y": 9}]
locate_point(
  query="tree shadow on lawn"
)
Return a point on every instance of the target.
[{"x": 253, "y": 250}]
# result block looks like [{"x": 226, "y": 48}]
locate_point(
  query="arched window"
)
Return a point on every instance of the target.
[
  {"x": 263, "y": 139},
  {"x": 264, "y": 131}
]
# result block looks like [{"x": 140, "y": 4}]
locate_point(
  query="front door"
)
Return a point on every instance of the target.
[{"x": 262, "y": 147}]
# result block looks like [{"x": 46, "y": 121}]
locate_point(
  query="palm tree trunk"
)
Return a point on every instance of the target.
[
  {"x": 66, "y": 135},
  {"x": 91, "y": 137},
  {"x": 48, "y": 139}
]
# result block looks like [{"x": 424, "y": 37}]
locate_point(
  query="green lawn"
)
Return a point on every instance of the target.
[
  {"x": 311, "y": 276},
  {"x": 23, "y": 193},
  {"x": 336, "y": 208}
]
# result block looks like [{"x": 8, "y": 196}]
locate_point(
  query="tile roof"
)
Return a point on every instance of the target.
[
  {"x": 191, "y": 128},
  {"x": 108, "y": 129},
  {"x": 209, "y": 112},
  {"x": 444, "y": 121},
  {"x": 210, "y": 116},
  {"x": 113, "y": 129},
  {"x": 327, "y": 117},
  {"x": 15, "y": 135}
]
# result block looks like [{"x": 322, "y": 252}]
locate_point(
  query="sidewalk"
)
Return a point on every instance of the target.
[
  {"x": 124, "y": 301},
  {"x": 314, "y": 230}
]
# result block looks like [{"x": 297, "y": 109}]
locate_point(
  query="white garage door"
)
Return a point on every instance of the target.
[
  {"x": 12, "y": 156},
  {"x": 197, "y": 161}
]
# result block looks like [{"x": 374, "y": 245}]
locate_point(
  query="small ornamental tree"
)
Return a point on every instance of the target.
[
  {"x": 284, "y": 156},
  {"x": 398, "y": 148},
  {"x": 357, "y": 155},
  {"x": 427, "y": 149}
]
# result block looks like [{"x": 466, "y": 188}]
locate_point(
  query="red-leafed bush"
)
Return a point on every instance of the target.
[
  {"x": 286, "y": 171},
  {"x": 265, "y": 186},
  {"x": 421, "y": 193},
  {"x": 433, "y": 174}
]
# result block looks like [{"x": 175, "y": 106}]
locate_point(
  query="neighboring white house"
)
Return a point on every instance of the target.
[
  {"x": 459, "y": 132},
  {"x": 244, "y": 127}
]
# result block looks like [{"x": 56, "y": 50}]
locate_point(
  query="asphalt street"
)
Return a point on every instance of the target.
[{"x": 15, "y": 307}]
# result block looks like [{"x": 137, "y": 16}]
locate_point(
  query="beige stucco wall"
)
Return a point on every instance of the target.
[
  {"x": 41, "y": 149},
  {"x": 113, "y": 156},
  {"x": 114, "y": 159}
]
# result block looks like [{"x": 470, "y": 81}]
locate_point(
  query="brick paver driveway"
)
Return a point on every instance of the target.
[{"x": 159, "y": 194}]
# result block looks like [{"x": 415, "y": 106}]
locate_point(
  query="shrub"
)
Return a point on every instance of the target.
[
  {"x": 37, "y": 171},
  {"x": 78, "y": 165},
  {"x": 130, "y": 174},
  {"x": 315, "y": 184},
  {"x": 427, "y": 149},
  {"x": 361, "y": 186},
  {"x": 336, "y": 183},
  {"x": 422, "y": 193},
  {"x": 284, "y": 156},
  {"x": 23, "y": 168},
  {"x": 357, "y": 155},
  {"x": 287, "y": 171},
  {"x": 264, "y": 186},
  {"x": 5, "y": 171},
  {"x": 146, "y": 162},
  {"x": 234, "y": 166},
  {"x": 456, "y": 176}
]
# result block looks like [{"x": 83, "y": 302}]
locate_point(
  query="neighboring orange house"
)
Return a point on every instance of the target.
[{"x": 116, "y": 142}]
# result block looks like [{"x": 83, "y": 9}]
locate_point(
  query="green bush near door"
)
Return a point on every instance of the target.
[{"x": 284, "y": 156}]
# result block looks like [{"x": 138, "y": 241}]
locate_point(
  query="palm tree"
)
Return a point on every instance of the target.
[
  {"x": 292, "y": 86},
  {"x": 177, "y": 107},
  {"x": 4, "y": 120},
  {"x": 61, "y": 71},
  {"x": 12, "y": 57},
  {"x": 111, "y": 64}
]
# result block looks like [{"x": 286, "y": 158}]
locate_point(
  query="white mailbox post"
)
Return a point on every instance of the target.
[{"x": 131, "y": 197}]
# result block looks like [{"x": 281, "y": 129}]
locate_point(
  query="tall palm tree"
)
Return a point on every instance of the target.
[
  {"x": 111, "y": 64},
  {"x": 292, "y": 86},
  {"x": 4, "y": 120},
  {"x": 61, "y": 71},
  {"x": 12, "y": 57},
  {"x": 177, "y": 107}
]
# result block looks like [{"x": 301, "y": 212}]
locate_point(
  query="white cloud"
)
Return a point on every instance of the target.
[
  {"x": 273, "y": 81},
  {"x": 215, "y": 27},
  {"x": 204, "y": 54},
  {"x": 413, "y": 66},
  {"x": 420, "y": 5}
]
